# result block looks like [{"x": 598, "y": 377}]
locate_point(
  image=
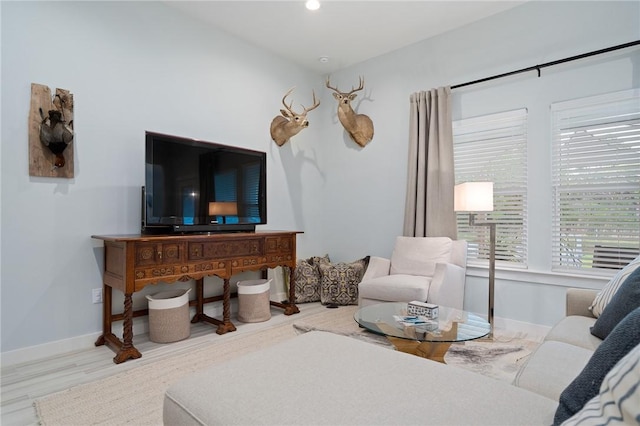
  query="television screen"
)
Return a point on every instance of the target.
[{"x": 193, "y": 186}]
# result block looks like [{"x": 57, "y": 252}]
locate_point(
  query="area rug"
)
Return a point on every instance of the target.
[
  {"x": 499, "y": 358},
  {"x": 135, "y": 396}
]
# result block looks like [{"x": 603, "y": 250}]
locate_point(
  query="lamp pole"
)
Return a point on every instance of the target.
[{"x": 492, "y": 266}]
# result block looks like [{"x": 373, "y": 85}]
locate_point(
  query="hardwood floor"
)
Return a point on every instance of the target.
[{"x": 22, "y": 384}]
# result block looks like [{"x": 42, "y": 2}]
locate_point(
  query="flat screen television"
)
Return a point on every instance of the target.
[{"x": 198, "y": 186}]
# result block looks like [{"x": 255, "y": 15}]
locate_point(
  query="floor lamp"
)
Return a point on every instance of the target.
[{"x": 478, "y": 197}]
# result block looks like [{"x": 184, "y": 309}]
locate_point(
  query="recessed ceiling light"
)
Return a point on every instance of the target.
[
  {"x": 312, "y": 4},
  {"x": 323, "y": 59}
]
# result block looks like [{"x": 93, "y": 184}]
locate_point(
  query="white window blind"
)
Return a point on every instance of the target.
[
  {"x": 494, "y": 148},
  {"x": 596, "y": 182}
]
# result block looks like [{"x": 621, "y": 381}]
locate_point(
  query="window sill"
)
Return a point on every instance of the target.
[{"x": 541, "y": 277}]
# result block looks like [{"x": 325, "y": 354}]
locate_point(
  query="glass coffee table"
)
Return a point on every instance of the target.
[{"x": 427, "y": 338}]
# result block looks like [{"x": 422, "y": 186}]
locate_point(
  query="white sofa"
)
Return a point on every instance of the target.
[
  {"x": 565, "y": 351},
  {"x": 427, "y": 269},
  {"x": 323, "y": 378},
  {"x": 328, "y": 379}
]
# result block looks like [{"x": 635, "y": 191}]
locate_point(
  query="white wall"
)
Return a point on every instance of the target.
[
  {"x": 370, "y": 185},
  {"x": 136, "y": 66},
  {"x": 132, "y": 66}
]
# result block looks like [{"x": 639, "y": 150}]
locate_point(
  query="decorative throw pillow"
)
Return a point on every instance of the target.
[
  {"x": 609, "y": 290},
  {"x": 419, "y": 255},
  {"x": 626, "y": 299},
  {"x": 306, "y": 279},
  {"x": 619, "y": 343},
  {"x": 619, "y": 398},
  {"x": 339, "y": 282}
]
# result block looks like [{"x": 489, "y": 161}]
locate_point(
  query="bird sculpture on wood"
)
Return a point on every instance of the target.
[{"x": 55, "y": 134}]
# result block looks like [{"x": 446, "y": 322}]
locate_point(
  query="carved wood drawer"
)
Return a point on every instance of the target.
[
  {"x": 278, "y": 244},
  {"x": 225, "y": 249},
  {"x": 157, "y": 254}
]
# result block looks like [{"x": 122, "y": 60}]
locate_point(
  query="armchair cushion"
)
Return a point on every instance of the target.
[
  {"x": 419, "y": 255},
  {"x": 399, "y": 288}
]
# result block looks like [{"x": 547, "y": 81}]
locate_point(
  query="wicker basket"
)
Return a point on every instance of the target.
[
  {"x": 253, "y": 300},
  {"x": 169, "y": 316}
]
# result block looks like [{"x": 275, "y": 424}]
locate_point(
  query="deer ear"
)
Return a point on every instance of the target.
[
  {"x": 285, "y": 113},
  {"x": 336, "y": 95},
  {"x": 352, "y": 96}
]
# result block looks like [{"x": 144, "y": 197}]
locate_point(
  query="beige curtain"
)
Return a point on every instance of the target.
[{"x": 429, "y": 203}]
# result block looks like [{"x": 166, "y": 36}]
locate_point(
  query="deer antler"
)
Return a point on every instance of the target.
[
  {"x": 312, "y": 107},
  {"x": 335, "y": 89},
  {"x": 359, "y": 87},
  {"x": 288, "y": 107}
]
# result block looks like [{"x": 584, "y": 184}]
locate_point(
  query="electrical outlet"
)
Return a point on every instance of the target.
[{"x": 96, "y": 294}]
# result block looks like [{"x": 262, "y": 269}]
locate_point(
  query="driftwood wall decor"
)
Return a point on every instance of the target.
[{"x": 51, "y": 133}]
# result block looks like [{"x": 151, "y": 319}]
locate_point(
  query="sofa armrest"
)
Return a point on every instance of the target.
[
  {"x": 447, "y": 286},
  {"x": 378, "y": 267},
  {"x": 579, "y": 300}
]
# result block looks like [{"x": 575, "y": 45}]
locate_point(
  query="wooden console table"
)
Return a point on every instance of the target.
[{"x": 132, "y": 262}]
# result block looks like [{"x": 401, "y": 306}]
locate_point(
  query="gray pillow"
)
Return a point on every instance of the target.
[
  {"x": 624, "y": 337},
  {"x": 626, "y": 299}
]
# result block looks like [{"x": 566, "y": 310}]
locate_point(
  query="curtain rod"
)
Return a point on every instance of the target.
[{"x": 548, "y": 64}]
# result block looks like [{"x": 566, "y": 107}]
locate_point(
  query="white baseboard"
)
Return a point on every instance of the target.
[{"x": 87, "y": 341}]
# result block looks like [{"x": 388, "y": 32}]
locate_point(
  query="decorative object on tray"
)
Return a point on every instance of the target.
[{"x": 428, "y": 310}]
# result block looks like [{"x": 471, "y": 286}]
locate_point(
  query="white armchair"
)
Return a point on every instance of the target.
[{"x": 428, "y": 269}]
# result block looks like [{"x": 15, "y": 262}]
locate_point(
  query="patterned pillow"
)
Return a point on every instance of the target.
[
  {"x": 619, "y": 398},
  {"x": 604, "y": 297},
  {"x": 622, "y": 340},
  {"x": 306, "y": 278},
  {"x": 339, "y": 282},
  {"x": 626, "y": 299}
]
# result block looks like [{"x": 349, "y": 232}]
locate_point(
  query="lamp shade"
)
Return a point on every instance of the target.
[
  {"x": 473, "y": 197},
  {"x": 223, "y": 208}
]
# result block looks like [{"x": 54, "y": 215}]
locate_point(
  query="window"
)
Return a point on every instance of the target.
[
  {"x": 493, "y": 148},
  {"x": 596, "y": 182},
  {"x": 251, "y": 191}
]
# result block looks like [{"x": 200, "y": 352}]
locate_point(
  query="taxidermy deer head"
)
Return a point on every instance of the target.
[
  {"x": 284, "y": 126},
  {"x": 55, "y": 134},
  {"x": 359, "y": 126}
]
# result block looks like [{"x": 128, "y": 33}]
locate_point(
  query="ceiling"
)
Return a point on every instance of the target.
[{"x": 346, "y": 32}]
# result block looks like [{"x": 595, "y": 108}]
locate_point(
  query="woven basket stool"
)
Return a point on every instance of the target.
[
  {"x": 169, "y": 316},
  {"x": 253, "y": 300}
]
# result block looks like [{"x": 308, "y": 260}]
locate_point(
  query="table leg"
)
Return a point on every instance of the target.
[
  {"x": 226, "y": 325},
  {"x": 127, "y": 350},
  {"x": 199, "y": 301},
  {"x": 291, "y": 306}
]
